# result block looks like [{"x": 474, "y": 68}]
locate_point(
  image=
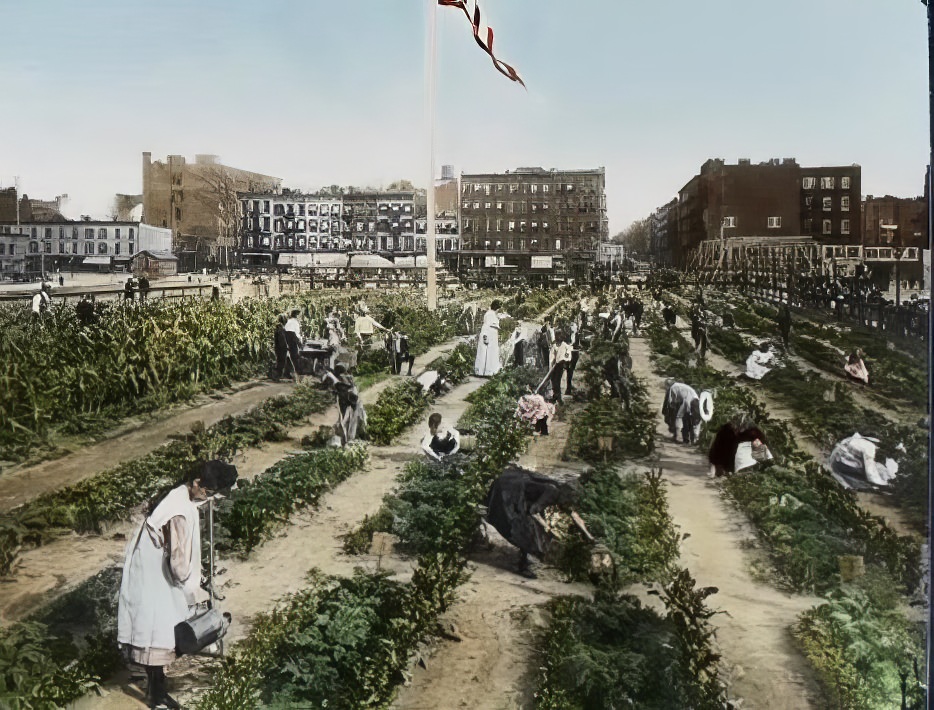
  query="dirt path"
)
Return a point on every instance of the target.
[
  {"x": 497, "y": 619},
  {"x": 135, "y": 438},
  {"x": 759, "y": 659}
]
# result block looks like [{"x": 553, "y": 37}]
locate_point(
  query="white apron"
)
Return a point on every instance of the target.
[{"x": 151, "y": 603}]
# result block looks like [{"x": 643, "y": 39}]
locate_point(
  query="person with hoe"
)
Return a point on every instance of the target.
[
  {"x": 161, "y": 581},
  {"x": 682, "y": 406},
  {"x": 559, "y": 360},
  {"x": 351, "y": 422},
  {"x": 440, "y": 441}
]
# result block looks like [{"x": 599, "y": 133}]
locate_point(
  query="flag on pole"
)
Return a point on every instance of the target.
[{"x": 485, "y": 44}]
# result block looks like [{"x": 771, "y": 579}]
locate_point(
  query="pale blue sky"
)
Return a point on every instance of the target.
[{"x": 334, "y": 92}]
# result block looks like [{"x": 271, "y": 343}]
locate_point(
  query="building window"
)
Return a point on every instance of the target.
[
  {"x": 74, "y": 247},
  {"x": 499, "y": 225},
  {"x": 544, "y": 226},
  {"x": 265, "y": 206},
  {"x": 130, "y": 249},
  {"x": 775, "y": 222},
  {"x": 522, "y": 226},
  {"x": 845, "y": 203},
  {"x": 265, "y": 224},
  {"x": 512, "y": 226},
  {"x": 102, "y": 233},
  {"x": 729, "y": 221},
  {"x": 845, "y": 226},
  {"x": 826, "y": 183},
  {"x": 809, "y": 201},
  {"x": 61, "y": 232},
  {"x": 557, "y": 243},
  {"x": 534, "y": 188},
  {"x": 545, "y": 188},
  {"x": 809, "y": 183},
  {"x": 828, "y": 204},
  {"x": 116, "y": 232},
  {"x": 89, "y": 247},
  {"x": 132, "y": 232},
  {"x": 466, "y": 205},
  {"x": 487, "y": 205},
  {"x": 827, "y": 226},
  {"x": 117, "y": 249},
  {"x": 808, "y": 225},
  {"x": 514, "y": 188},
  {"x": 74, "y": 232},
  {"x": 47, "y": 247},
  {"x": 2, "y": 249},
  {"x": 61, "y": 247},
  {"x": 102, "y": 247},
  {"x": 48, "y": 232},
  {"x": 845, "y": 182}
]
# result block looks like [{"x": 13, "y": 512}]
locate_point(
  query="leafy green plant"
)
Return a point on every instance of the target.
[
  {"x": 866, "y": 653},
  {"x": 398, "y": 406},
  {"x": 255, "y": 507}
]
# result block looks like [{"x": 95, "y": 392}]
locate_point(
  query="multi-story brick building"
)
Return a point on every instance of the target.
[
  {"x": 907, "y": 214},
  {"x": 198, "y": 201},
  {"x": 540, "y": 225},
  {"x": 777, "y": 198}
]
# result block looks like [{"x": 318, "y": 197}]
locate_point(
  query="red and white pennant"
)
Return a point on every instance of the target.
[{"x": 487, "y": 44}]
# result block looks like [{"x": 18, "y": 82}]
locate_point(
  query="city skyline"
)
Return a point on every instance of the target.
[{"x": 646, "y": 93}]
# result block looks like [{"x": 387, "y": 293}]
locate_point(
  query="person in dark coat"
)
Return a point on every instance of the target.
[
  {"x": 784, "y": 324},
  {"x": 669, "y": 315},
  {"x": 515, "y": 503},
  {"x": 281, "y": 346},
  {"x": 722, "y": 454}
]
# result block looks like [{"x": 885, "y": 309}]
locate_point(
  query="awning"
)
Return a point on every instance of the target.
[
  {"x": 97, "y": 260},
  {"x": 370, "y": 261}
]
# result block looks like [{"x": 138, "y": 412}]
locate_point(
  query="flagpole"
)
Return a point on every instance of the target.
[{"x": 432, "y": 285}]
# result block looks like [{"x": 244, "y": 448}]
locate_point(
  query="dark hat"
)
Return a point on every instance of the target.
[{"x": 217, "y": 475}]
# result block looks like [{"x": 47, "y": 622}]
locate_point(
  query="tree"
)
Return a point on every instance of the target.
[
  {"x": 636, "y": 237},
  {"x": 401, "y": 186}
]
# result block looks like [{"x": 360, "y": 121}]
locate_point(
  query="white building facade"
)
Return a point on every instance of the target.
[{"x": 31, "y": 248}]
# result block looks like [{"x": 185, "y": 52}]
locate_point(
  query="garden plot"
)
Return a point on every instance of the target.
[
  {"x": 860, "y": 641},
  {"x": 761, "y": 664}
]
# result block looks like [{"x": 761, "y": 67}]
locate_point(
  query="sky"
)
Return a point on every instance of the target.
[{"x": 320, "y": 93}]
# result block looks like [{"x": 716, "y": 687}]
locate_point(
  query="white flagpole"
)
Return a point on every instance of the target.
[{"x": 432, "y": 285}]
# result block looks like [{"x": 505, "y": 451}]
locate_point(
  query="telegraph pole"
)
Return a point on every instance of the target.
[{"x": 431, "y": 281}]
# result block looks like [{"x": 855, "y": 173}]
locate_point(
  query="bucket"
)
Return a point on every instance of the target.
[{"x": 200, "y": 631}]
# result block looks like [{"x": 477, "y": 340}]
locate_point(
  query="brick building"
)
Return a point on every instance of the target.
[
  {"x": 776, "y": 198},
  {"x": 535, "y": 224},
  {"x": 663, "y": 232},
  {"x": 198, "y": 202},
  {"x": 907, "y": 214}
]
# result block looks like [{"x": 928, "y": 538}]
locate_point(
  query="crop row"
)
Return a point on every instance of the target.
[
  {"x": 808, "y": 523},
  {"x": 610, "y": 650},
  {"x": 111, "y": 495}
]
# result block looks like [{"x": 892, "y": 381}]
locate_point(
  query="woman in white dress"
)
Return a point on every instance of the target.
[{"x": 487, "y": 362}]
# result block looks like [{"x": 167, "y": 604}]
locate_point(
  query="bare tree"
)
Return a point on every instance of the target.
[{"x": 636, "y": 237}]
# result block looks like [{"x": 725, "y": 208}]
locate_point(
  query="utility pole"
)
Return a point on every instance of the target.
[
  {"x": 431, "y": 285},
  {"x": 930, "y": 196}
]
